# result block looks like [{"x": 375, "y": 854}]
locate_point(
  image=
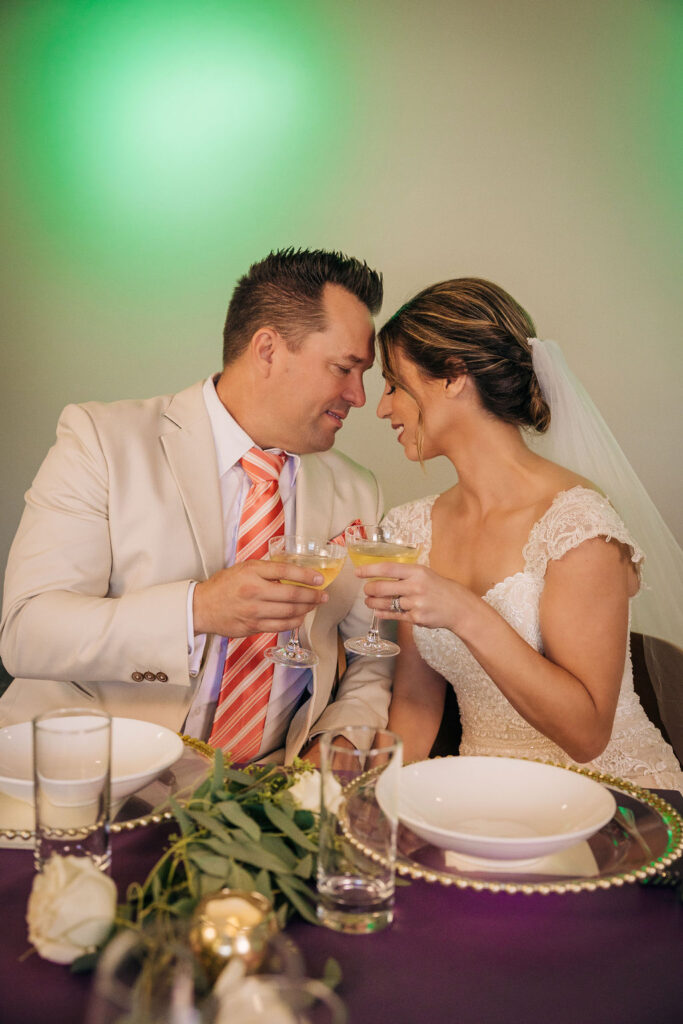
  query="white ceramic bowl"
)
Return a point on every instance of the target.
[
  {"x": 139, "y": 752},
  {"x": 500, "y": 808}
]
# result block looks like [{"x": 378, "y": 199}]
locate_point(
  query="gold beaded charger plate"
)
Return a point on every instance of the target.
[
  {"x": 644, "y": 837},
  {"x": 147, "y": 806}
]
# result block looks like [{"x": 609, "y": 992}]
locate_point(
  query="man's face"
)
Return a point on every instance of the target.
[{"x": 317, "y": 385}]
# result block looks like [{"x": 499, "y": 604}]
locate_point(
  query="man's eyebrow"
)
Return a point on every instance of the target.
[{"x": 353, "y": 359}]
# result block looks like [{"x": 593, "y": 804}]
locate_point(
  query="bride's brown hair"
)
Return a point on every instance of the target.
[{"x": 471, "y": 326}]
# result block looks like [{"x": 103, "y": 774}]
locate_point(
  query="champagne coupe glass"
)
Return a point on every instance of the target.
[
  {"x": 366, "y": 545},
  {"x": 310, "y": 553}
]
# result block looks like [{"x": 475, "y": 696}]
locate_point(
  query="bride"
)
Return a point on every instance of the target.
[{"x": 522, "y": 598}]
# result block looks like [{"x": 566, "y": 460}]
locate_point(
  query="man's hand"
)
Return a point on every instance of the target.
[
  {"x": 312, "y": 751},
  {"x": 249, "y": 598}
]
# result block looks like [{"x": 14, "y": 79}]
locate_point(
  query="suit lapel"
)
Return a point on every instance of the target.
[{"x": 188, "y": 442}]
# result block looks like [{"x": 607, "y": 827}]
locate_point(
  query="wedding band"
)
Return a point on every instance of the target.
[{"x": 396, "y": 605}]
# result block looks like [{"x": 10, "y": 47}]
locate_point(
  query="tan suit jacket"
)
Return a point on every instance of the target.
[{"x": 123, "y": 513}]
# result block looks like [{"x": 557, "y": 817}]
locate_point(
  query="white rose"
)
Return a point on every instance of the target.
[
  {"x": 71, "y": 908},
  {"x": 306, "y": 791}
]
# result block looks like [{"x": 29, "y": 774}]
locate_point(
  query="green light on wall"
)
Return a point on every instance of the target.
[
  {"x": 665, "y": 141},
  {"x": 138, "y": 126}
]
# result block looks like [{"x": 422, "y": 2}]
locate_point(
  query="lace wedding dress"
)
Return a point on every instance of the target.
[{"x": 490, "y": 725}]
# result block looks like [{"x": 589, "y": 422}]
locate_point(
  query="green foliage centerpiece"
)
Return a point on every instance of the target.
[
  {"x": 242, "y": 829},
  {"x": 241, "y": 832}
]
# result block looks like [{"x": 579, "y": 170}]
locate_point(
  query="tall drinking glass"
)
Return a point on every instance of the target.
[
  {"x": 358, "y": 823},
  {"x": 309, "y": 553},
  {"x": 366, "y": 545},
  {"x": 71, "y": 773}
]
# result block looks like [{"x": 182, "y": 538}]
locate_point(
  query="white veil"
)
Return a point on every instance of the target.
[{"x": 579, "y": 439}]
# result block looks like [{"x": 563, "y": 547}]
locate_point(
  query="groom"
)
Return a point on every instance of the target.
[{"x": 137, "y": 571}]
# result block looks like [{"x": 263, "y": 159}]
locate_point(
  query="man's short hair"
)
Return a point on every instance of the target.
[{"x": 285, "y": 291}]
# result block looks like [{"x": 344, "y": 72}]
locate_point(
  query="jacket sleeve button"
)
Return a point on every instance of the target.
[
  {"x": 162, "y": 677},
  {"x": 137, "y": 677},
  {"x": 150, "y": 677}
]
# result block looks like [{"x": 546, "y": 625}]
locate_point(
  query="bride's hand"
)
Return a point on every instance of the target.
[{"x": 416, "y": 594}]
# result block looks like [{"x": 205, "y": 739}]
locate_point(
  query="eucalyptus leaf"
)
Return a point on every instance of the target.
[
  {"x": 304, "y": 868},
  {"x": 262, "y": 885},
  {"x": 217, "y": 845},
  {"x": 285, "y": 823},
  {"x": 239, "y": 878},
  {"x": 209, "y": 884},
  {"x": 209, "y": 863},
  {"x": 296, "y": 899},
  {"x": 217, "y": 781},
  {"x": 186, "y": 826},
  {"x": 210, "y": 823},
  {"x": 277, "y": 846},
  {"x": 203, "y": 789},
  {"x": 294, "y": 882},
  {"x": 257, "y": 856},
  {"x": 236, "y": 815},
  {"x": 235, "y": 775}
]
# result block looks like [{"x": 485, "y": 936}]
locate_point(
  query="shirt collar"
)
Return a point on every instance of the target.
[{"x": 230, "y": 440}]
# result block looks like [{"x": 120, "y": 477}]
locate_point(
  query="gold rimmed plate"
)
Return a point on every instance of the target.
[
  {"x": 148, "y": 806},
  {"x": 644, "y": 836}
]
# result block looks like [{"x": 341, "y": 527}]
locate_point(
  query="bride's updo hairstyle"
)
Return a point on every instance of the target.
[{"x": 471, "y": 326}]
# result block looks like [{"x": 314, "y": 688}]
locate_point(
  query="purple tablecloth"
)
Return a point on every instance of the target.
[{"x": 452, "y": 955}]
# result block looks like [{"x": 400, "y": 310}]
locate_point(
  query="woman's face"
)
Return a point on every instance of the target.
[{"x": 403, "y": 411}]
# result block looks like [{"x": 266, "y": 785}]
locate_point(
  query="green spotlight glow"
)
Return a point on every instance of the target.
[
  {"x": 653, "y": 100},
  {"x": 191, "y": 126},
  {"x": 665, "y": 114},
  {"x": 139, "y": 126}
]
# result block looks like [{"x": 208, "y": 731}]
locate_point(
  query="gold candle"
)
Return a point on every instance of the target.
[{"x": 231, "y": 923}]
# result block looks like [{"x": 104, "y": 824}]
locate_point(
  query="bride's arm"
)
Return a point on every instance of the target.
[
  {"x": 570, "y": 693},
  {"x": 417, "y": 701}
]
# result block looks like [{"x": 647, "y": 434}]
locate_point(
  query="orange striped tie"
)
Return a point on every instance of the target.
[{"x": 247, "y": 676}]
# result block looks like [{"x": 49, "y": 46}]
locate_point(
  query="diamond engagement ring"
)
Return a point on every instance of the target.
[{"x": 396, "y": 605}]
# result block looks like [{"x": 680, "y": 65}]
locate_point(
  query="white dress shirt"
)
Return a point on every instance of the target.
[{"x": 289, "y": 684}]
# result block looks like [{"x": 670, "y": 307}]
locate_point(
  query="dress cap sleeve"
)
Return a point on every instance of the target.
[{"x": 574, "y": 516}]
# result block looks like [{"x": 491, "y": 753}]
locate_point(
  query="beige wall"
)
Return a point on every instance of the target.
[{"x": 522, "y": 141}]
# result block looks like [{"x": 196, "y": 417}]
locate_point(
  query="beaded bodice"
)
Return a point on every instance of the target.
[{"x": 490, "y": 725}]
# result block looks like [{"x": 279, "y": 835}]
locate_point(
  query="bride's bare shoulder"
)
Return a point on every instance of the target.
[{"x": 556, "y": 478}]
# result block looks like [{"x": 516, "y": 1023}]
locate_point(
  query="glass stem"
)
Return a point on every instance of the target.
[
  {"x": 373, "y": 632},
  {"x": 293, "y": 644}
]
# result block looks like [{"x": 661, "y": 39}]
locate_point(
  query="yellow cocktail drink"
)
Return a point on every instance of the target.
[
  {"x": 370, "y": 552},
  {"x": 329, "y": 568}
]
